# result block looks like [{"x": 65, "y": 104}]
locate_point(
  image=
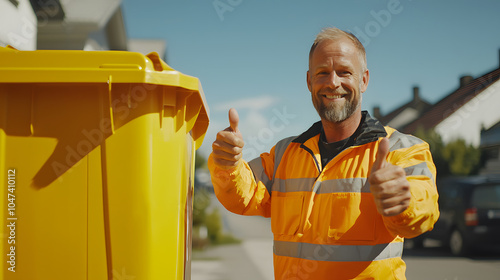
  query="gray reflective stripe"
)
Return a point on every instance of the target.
[
  {"x": 279, "y": 150},
  {"x": 316, "y": 187},
  {"x": 338, "y": 253},
  {"x": 293, "y": 185},
  {"x": 258, "y": 169},
  {"x": 347, "y": 185},
  {"x": 419, "y": 169},
  {"x": 399, "y": 140},
  {"x": 259, "y": 173}
]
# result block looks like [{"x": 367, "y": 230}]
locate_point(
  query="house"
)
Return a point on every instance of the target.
[
  {"x": 69, "y": 25},
  {"x": 406, "y": 113},
  {"x": 490, "y": 146},
  {"x": 461, "y": 114},
  {"x": 18, "y": 24},
  {"x": 80, "y": 25}
]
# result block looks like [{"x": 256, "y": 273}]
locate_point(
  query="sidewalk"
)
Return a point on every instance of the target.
[
  {"x": 231, "y": 262},
  {"x": 250, "y": 260}
]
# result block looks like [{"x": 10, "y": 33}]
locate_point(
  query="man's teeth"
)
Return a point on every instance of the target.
[{"x": 333, "y": 96}]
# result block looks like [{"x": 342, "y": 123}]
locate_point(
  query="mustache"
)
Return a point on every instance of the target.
[{"x": 330, "y": 91}]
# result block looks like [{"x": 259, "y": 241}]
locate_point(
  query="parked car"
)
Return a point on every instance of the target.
[{"x": 470, "y": 214}]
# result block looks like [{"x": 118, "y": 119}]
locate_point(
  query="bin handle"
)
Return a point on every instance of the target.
[
  {"x": 111, "y": 106},
  {"x": 32, "y": 113}
]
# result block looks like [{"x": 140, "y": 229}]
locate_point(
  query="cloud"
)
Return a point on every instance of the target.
[
  {"x": 264, "y": 120},
  {"x": 253, "y": 121},
  {"x": 252, "y": 103}
]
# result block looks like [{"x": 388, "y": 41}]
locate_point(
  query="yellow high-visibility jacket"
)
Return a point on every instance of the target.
[{"x": 324, "y": 220}]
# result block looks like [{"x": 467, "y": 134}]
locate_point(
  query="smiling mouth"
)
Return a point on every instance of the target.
[{"x": 333, "y": 96}]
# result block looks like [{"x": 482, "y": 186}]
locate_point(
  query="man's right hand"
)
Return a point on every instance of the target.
[{"x": 227, "y": 148}]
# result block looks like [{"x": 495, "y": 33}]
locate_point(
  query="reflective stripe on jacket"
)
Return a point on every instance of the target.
[{"x": 323, "y": 218}]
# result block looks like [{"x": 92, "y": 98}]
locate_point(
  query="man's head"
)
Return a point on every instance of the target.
[
  {"x": 334, "y": 34},
  {"x": 337, "y": 74}
]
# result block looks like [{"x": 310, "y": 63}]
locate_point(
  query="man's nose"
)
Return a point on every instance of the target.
[{"x": 334, "y": 80}]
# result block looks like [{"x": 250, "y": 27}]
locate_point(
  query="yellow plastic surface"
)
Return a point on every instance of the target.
[{"x": 102, "y": 144}]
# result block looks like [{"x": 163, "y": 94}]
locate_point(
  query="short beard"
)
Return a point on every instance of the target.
[{"x": 333, "y": 114}]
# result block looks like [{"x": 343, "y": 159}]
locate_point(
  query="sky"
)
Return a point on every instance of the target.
[{"x": 252, "y": 55}]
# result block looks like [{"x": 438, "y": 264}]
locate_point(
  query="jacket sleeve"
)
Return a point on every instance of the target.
[
  {"x": 245, "y": 189},
  {"x": 423, "y": 211}
]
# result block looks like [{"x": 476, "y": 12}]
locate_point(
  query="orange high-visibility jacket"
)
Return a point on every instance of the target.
[{"x": 323, "y": 218}]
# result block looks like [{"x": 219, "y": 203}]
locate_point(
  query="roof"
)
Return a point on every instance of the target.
[
  {"x": 452, "y": 102},
  {"x": 416, "y": 103},
  {"x": 494, "y": 127}
]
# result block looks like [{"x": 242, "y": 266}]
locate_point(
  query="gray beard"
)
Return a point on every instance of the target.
[{"x": 332, "y": 114}]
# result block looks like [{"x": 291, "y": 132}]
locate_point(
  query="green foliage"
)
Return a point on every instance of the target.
[
  {"x": 199, "y": 161},
  {"x": 203, "y": 219},
  {"x": 201, "y": 201},
  {"x": 214, "y": 228},
  {"x": 201, "y": 198},
  {"x": 226, "y": 239},
  {"x": 463, "y": 159},
  {"x": 436, "y": 146},
  {"x": 214, "y": 225},
  {"x": 454, "y": 158}
]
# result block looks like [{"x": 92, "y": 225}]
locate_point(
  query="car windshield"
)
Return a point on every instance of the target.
[{"x": 486, "y": 197}]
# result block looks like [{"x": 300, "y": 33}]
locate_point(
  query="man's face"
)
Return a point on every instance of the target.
[{"x": 336, "y": 79}]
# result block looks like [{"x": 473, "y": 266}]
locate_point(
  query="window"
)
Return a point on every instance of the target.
[
  {"x": 486, "y": 197},
  {"x": 448, "y": 196}
]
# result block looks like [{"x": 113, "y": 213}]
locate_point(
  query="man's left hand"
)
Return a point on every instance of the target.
[{"x": 388, "y": 184}]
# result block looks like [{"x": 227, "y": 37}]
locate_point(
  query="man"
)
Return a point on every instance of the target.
[{"x": 344, "y": 194}]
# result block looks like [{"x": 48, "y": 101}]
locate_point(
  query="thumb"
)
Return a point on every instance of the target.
[
  {"x": 233, "y": 119},
  {"x": 383, "y": 151}
]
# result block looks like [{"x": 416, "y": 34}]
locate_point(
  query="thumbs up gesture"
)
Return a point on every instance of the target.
[
  {"x": 388, "y": 184},
  {"x": 228, "y": 146}
]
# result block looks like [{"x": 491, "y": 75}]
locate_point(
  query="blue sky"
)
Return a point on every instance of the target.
[{"x": 253, "y": 54}]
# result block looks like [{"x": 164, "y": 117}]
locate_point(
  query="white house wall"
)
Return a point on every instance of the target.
[
  {"x": 404, "y": 118},
  {"x": 466, "y": 122},
  {"x": 18, "y": 25},
  {"x": 96, "y": 11}
]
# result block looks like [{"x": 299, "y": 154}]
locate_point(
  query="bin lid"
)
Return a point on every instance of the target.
[{"x": 76, "y": 66}]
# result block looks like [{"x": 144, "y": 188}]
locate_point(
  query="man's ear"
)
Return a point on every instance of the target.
[
  {"x": 308, "y": 78},
  {"x": 364, "y": 80}
]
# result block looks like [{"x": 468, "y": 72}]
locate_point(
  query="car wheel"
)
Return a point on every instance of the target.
[{"x": 457, "y": 243}]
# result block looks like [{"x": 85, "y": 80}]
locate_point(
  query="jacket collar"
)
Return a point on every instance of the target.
[{"x": 369, "y": 130}]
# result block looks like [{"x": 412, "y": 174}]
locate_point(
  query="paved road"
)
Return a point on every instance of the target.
[
  {"x": 252, "y": 259},
  {"x": 437, "y": 263}
]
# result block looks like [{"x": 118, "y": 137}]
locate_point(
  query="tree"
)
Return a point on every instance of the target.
[
  {"x": 453, "y": 158},
  {"x": 199, "y": 161},
  {"x": 436, "y": 146},
  {"x": 462, "y": 159}
]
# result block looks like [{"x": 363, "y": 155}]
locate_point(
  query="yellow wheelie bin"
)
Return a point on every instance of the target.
[{"x": 96, "y": 165}]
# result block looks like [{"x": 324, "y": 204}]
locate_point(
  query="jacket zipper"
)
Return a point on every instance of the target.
[{"x": 308, "y": 204}]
